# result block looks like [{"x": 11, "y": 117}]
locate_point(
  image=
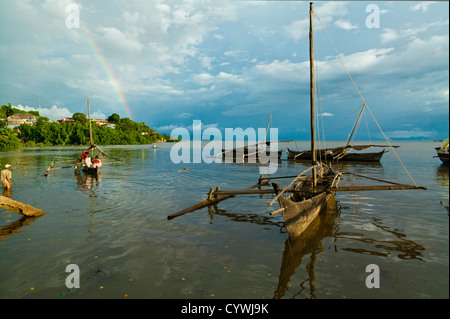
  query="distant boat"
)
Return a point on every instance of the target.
[
  {"x": 442, "y": 152},
  {"x": 338, "y": 154},
  {"x": 252, "y": 151},
  {"x": 249, "y": 152},
  {"x": 88, "y": 166}
]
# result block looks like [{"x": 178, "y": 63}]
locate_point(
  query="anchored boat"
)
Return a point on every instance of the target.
[{"x": 442, "y": 152}]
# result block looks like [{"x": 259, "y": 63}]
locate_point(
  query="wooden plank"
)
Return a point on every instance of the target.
[
  {"x": 203, "y": 203},
  {"x": 207, "y": 202},
  {"x": 374, "y": 188},
  {"x": 333, "y": 189},
  {"x": 277, "y": 211},
  {"x": 373, "y": 178},
  {"x": 245, "y": 191}
]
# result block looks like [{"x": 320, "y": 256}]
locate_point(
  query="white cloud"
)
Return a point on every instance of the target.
[
  {"x": 167, "y": 128},
  {"x": 171, "y": 127},
  {"x": 298, "y": 29},
  {"x": 345, "y": 24},
  {"x": 170, "y": 60},
  {"x": 206, "y": 62},
  {"x": 98, "y": 116},
  {"x": 331, "y": 9},
  {"x": 185, "y": 115},
  {"x": 234, "y": 53},
  {"x": 423, "y": 6},
  {"x": 411, "y": 33},
  {"x": 53, "y": 113},
  {"x": 116, "y": 41},
  {"x": 326, "y": 12},
  {"x": 389, "y": 35}
]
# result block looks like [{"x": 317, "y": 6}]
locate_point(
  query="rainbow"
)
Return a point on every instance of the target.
[{"x": 107, "y": 70}]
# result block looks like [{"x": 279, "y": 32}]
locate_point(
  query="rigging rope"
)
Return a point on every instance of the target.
[
  {"x": 367, "y": 126},
  {"x": 354, "y": 84},
  {"x": 70, "y": 132},
  {"x": 342, "y": 121},
  {"x": 320, "y": 106}
]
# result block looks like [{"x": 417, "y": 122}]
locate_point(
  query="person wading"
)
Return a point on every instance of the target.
[{"x": 6, "y": 177}]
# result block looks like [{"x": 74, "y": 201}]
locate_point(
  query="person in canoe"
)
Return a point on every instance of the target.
[
  {"x": 84, "y": 155},
  {"x": 96, "y": 162}
]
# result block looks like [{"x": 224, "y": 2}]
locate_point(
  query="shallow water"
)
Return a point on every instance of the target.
[{"x": 115, "y": 229}]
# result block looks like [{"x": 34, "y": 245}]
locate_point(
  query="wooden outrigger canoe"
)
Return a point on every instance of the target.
[
  {"x": 81, "y": 166},
  {"x": 304, "y": 203},
  {"x": 302, "y": 206}
]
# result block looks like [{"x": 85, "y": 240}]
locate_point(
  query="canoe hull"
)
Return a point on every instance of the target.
[
  {"x": 90, "y": 170},
  {"x": 244, "y": 154},
  {"x": 299, "y": 215}
]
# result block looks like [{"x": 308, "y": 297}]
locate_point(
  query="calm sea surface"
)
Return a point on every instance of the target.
[{"x": 115, "y": 229}]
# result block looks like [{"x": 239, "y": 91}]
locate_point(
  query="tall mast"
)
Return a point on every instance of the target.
[
  {"x": 311, "y": 74},
  {"x": 90, "y": 124}
]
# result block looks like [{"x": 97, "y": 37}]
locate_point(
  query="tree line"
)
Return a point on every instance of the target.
[{"x": 45, "y": 133}]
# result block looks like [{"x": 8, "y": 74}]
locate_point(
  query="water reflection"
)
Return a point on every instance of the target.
[
  {"x": 405, "y": 248},
  {"x": 309, "y": 242},
  {"x": 14, "y": 227},
  {"x": 442, "y": 175},
  {"x": 245, "y": 218},
  {"x": 88, "y": 181},
  {"x": 7, "y": 192},
  {"x": 328, "y": 225},
  {"x": 343, "y": 166}
]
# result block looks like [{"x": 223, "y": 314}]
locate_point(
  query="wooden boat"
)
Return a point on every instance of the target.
[
  {"x": 249, "y": 153},
  {"x": 308, "y": 244},
  {"x": 309, "y": 195},
  {"x": 90, "y": 170},
  {"x": 89, "y": 167},
  {"x": 82, "y": 165},
  {"x": 302, "y": 207},
  {"x": 442, "y": 152},
  {"x": 335, "y": 154}
]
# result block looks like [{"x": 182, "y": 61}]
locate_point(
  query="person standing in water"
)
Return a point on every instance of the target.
[{"x": 6, "y": 177}]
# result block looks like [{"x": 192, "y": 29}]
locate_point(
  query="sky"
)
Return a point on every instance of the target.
[{"x": 230, "y": 64}]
